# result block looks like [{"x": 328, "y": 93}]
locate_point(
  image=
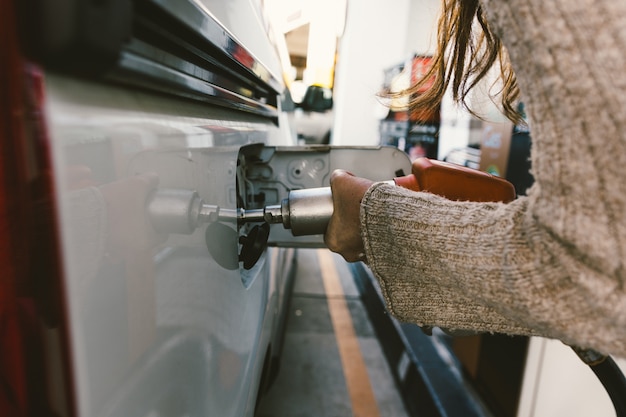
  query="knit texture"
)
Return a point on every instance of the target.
[{"x": 550, "y": 264}]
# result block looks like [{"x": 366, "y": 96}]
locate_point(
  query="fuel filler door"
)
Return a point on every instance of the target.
[{"x": 266, "y": 175}]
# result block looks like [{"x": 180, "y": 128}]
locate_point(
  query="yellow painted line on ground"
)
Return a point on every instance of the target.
[{"x": 354, "y": 369}]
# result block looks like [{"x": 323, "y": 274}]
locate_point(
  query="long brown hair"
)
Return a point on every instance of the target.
[{"x": 466, "y": 51}]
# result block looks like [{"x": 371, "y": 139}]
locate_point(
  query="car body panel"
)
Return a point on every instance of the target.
[
  {"x": 130, "y": 303},
  {"x": 152, "y": 324}
]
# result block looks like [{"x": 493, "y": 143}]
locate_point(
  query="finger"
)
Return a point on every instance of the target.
[{"x": 339, "y": 173}]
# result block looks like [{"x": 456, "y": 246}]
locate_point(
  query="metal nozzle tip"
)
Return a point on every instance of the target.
[{"x": 273, "y": 214}]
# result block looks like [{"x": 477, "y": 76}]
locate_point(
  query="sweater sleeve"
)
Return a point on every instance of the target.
[{"x": 486, "y": 267}]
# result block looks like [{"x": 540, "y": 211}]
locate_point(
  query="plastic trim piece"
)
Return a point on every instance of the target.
[{"x": 175, "y": 47}]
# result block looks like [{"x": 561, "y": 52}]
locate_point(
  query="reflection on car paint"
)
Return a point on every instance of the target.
[{"x": 149, "y": 295}]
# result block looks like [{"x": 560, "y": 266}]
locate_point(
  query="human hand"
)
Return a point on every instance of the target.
[{"x": 343, "y": 234}]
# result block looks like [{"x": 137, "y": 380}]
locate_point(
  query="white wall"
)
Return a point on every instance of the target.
[
  {"x": 422, "y": 28},
  {"x": 378, "y": 35}
]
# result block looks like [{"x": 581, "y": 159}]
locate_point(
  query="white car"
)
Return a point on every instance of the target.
[
  {"x": 133, "y": 135},
  {"x": 134, "y": 110}
]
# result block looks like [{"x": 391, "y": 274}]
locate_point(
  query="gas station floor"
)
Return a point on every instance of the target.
[{"x": 332, "y": 363}]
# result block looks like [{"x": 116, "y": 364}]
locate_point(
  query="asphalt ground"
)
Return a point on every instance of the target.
[{"x": 332, "y": 363}]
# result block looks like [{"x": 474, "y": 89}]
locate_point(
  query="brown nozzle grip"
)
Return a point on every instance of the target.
[{"x": 456, "y": 182}]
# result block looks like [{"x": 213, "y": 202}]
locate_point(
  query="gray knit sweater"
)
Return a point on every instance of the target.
[{"x": 552, "y": 263}]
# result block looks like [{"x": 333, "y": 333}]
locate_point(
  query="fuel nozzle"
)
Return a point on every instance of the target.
[{"x": 304, "y": 212}]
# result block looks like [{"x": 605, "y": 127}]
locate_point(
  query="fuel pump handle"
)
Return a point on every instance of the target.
[
  {"x": 456, "y": 182},
  {"x": 308, "y": 211}
]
